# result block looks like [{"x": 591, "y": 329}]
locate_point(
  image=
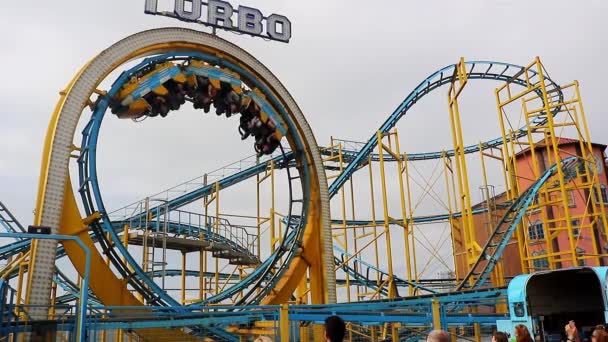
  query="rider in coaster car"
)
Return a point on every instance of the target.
[
  {"x": 271, "y": 141},
  {"x": 159, "y": 106},
  {"x": 233, "y": 103},
  {"x": 266, "y": 144},
  {"x": 204, "y": 94},
  {"x": 227, "y": 101},
  {"x": 249, "y": 110},
  {"x": 177, "y": 94},
  {"x": 256, "y": 127},
  {"x": 243, "y": 130},
  {"x": 266, "y": 139},
  {"x": 219, "y": 101}
]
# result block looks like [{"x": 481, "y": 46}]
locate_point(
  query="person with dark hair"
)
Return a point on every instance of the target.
[
  {"x": 500, "y": 336},
  {"x": 335, "y": 329},
  {"x": 522, "y": 334}
]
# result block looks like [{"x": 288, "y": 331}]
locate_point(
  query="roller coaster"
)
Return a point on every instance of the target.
[{"x": 283, "y": 272}]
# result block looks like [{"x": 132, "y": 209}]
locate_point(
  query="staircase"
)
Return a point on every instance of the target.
[{"x": 492, "y": 251}]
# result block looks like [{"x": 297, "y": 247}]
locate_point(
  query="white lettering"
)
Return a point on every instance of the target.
[
  {"x": 220, "y": 13},
  {"x": 273, "y": 22},
  {"x": 193, "y": 14},
  {"x": 250, "y": 20},
  {"x": 219, "y": 10},
  {"x": 151, "y": 6}
]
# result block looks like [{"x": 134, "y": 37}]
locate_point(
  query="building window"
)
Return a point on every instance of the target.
[
  {"x": 580, "y": 252},
  {"x": 571, "y": 198},
  {"x": 541, "y": 263},
  {"x": 582, "y": 168},
  {"x": 603, "y": 192},
  {"x": 535, "y": 231},
  {"x": 576, "y": 229}
]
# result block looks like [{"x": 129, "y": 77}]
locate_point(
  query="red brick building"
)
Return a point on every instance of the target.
[{"x": 589, "y": 236}]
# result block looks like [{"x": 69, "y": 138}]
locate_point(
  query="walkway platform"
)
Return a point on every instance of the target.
[{"x": 218, "y": 249}]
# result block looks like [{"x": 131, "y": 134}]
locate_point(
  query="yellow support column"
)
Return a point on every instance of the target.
[
  {"x": 202, "y": 256},
  {"x": 410, "y": 215},
  {"x": 53, "y": 300},
  {"x": 217, "y": 231},
  {"x": 436, "y": 310},
  {"x": 284, "y": 323},
  {"x": 387, "y": 218},
  {"x": 459, "y": 80},
  {"x": 355, "y": 232},
  {"x": 456, "y": 233},
  {"x": 587, "y": 136},
  {"x": 453, "y": 334},
  {"x": 183, "y": 278},
  {"x": 374, "y": 334},
  {"x": 374, "y": 223},
  {"x": 477, "y": 329},
  {"x": 406, "y": 229},
  {"x": 302, "y": 298}
]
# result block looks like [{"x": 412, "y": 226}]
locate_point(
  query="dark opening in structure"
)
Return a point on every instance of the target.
[{"x": 556, "y": 297}]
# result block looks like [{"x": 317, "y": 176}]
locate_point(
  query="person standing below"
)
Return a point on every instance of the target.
[
  {"x": 571, "y": 332},
  {"x": 438, "y": 336},
  {"x": 500, "y": 337},
  {"x": 335, "y": 329},
  {"x": 522, "y": 334},
  {"x": 599, "y": 334},
  {"x": 263, "y": 339}
]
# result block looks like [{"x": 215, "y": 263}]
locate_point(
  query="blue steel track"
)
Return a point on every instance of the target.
[
  {"x": 93, "y": 202},
  {"x": 487, "y": 71},
  {"x": 496, "y": 71},
  {"x": 90, "y": 192}
]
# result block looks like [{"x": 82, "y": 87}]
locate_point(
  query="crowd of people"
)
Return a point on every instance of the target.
[
  {"x": 335, "y": 330},
  {"x": 522, "y": 334},
  {"x": 571, "y": 333},
  {"x": 599, "y": 333},
  {"x": 204, "y": 92}
]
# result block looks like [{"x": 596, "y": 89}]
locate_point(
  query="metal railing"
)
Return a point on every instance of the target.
[
  {"x": 84, "y": 289},
  {"x": 198, "y": 226},
  {"x": 193, "y": 184}
]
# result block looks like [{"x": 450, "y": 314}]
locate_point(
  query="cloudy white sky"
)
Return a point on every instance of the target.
[{"x": 349, "y": 64}]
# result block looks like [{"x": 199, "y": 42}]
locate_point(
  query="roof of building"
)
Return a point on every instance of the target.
[{"x": 560, "y": 142}]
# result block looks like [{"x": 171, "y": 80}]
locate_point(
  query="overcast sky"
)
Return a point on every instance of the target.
[{"x": 348, "y": 65}]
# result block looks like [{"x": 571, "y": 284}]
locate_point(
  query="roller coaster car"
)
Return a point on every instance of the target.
[
  {"x": 221, "y": 87},
  {"x": 255, "y": 122},
  {"x": 216, "y": 76},
  {"x": 159, "y": 88},
  {"x": 265, "y": 112},
  {"x": 154, "y": 91},
  {"x": 227, "y": 101},
  {"x": 249, "y": 110}
]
